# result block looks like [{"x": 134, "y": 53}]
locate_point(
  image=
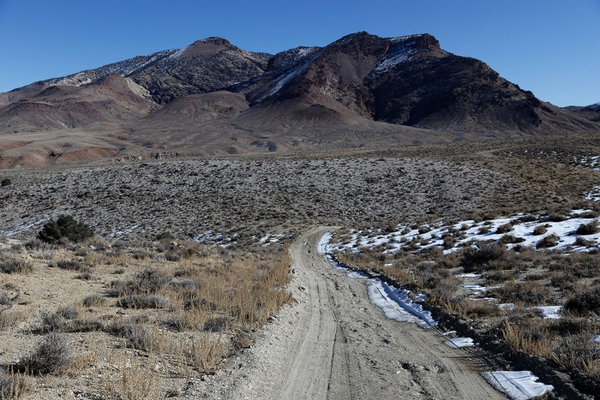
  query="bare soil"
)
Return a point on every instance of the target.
[{"x": 333, "y": 343}]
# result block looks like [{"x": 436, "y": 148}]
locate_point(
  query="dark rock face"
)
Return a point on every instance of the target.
[
  {"x": 433, "y": 92},
  {"x": 411, "y": 81},
  {"x": 205, "y": 66}
]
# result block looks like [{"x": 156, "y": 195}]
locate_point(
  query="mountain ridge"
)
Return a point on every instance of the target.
[{"x": 212, "y": 97}]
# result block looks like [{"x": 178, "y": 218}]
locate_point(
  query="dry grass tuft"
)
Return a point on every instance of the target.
[
  {"x": 531, "y": 340},
  {"x": 13, "y": 385}
]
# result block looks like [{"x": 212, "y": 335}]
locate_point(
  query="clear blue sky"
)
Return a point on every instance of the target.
[{"x": 551, "y": 47}]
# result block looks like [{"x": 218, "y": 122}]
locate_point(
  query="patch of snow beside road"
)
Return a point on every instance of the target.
[{"x": 517, "y": 385}]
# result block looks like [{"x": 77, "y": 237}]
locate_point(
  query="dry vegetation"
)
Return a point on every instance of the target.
[
  {"x": 517, "y": 281},
  {"x": 106, "y": 319},
  {"x": 138, "y": 316},
  {"x": 248, "y": 195}
]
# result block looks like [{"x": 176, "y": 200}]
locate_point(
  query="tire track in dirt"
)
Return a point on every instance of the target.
[{"x": 335, "y": 344}]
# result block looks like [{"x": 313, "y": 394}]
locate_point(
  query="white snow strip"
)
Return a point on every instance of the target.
[
  {"x": 356, "y": 275},
  {"x": 593, "y": 194},
  {"x": 396, "y": 304},
  {"x": 394, "y": 59},
  {"x": 506, "y": 306},
  {"x": 517, "y": 385},
  {"x": 549, "y": 312},
  {"x": 460, "y": 342},
  {"x": 469, "y": 275},
  {"x": 475, "y": 288},
  {"x": 597, "y": 339},
  {"x": 323, "y": 243},
  {"x": 287, "y": 78}
]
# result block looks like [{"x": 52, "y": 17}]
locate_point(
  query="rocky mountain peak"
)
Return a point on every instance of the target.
[
  {"x": 214, "y": 40},
  {"x": 423, "y": 41},
  {"x": 206, "y": 47}
]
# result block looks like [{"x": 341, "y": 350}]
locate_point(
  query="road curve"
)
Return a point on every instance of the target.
[{"x": 335, "y": 344}]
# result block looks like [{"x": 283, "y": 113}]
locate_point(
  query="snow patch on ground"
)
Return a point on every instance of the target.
[
  {"x": 469, "y": 232},
  {"x": 356, "y": 275},
  {"x": 460, "y": 342},
  {"x": 517, "y": 385},
  {"x": 400, "y": 56},
  {"x": 549, "y": 312},
  {"x": 396, "y": 304},
  {"x": 322, "y": 246},
  {"x": 269, "y": 238}
]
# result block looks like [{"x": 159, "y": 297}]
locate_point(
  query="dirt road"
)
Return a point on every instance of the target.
[{"x": 335, "y": 344}]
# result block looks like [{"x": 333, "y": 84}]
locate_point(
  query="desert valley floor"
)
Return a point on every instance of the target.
[{"x": 175, "y": 225}]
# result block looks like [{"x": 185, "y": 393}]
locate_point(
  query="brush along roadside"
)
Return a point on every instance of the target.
[
  {"x": 142, "y": 325},
  {"x": 505, "y": 317}
]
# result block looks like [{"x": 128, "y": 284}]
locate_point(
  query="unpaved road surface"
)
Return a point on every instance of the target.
[{"x": 335, "y": 344}]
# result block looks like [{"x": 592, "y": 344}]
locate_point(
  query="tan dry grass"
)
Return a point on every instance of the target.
[{"x": 236, "y": 291}]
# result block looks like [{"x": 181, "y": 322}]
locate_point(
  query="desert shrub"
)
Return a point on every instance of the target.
[
  {"x": 164, "y": 235},
  {"x": 483, "y": 230},
  {"x": 579, "y": 352},
  {"x": 589, "y": 214},
  {"x": 6, "y": 182},
  {"x": 172, "y": 257},
  {"x": 5, "y": 298},
  {"x": 472, "y": 258},
  {"x": 528, "y": 218},
  {"x": 37, "y": 244},
  {"x": 94, "y": 301},
  {"x": 528, "y": 339},
  {"x": 13, "y": 385},
  {"x": 57, "y": 321},
  {"x": 579, "y": 241},
  {"x": 68, "y": 312},
  {"x": 149, "y": 281},
  {"x": 540, "y": 230},
  {"x": 86, "y": 276},
  {"x": 141, "y": 337},
  {"x": 15, "y": 267},
  {"x": 66, "y": 319},
  {"x": 500, "y": 276},
  {"x": 547, "y": 241},
  {"x": 584, "y": 302},
  {"x": 70, "y": 265},
  {"x": 480, "y": 309},
  {"x": 241, "y": 340},
  {"x": 504, "y": 228},
  {"x": 555, "y": 217},
  {"x": 506, "y": 239},
  {"x": 448, "y": 241},
  {"x": 65, "y": 227},
  {"x": 588, "y": 229},
  {"x": 424, "y": 229},
  {"x": 50, "y": 356},
  {"x": 216, "y": 324},
  {"x": 140, "y": 301},
  {"x": 530, "y": 292},
  {"x": 563, "y": 281},
  {"x": 141, "y": 255}
]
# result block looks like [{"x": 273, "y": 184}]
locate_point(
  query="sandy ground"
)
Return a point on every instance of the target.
[{"x": 333, "y": 343}]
